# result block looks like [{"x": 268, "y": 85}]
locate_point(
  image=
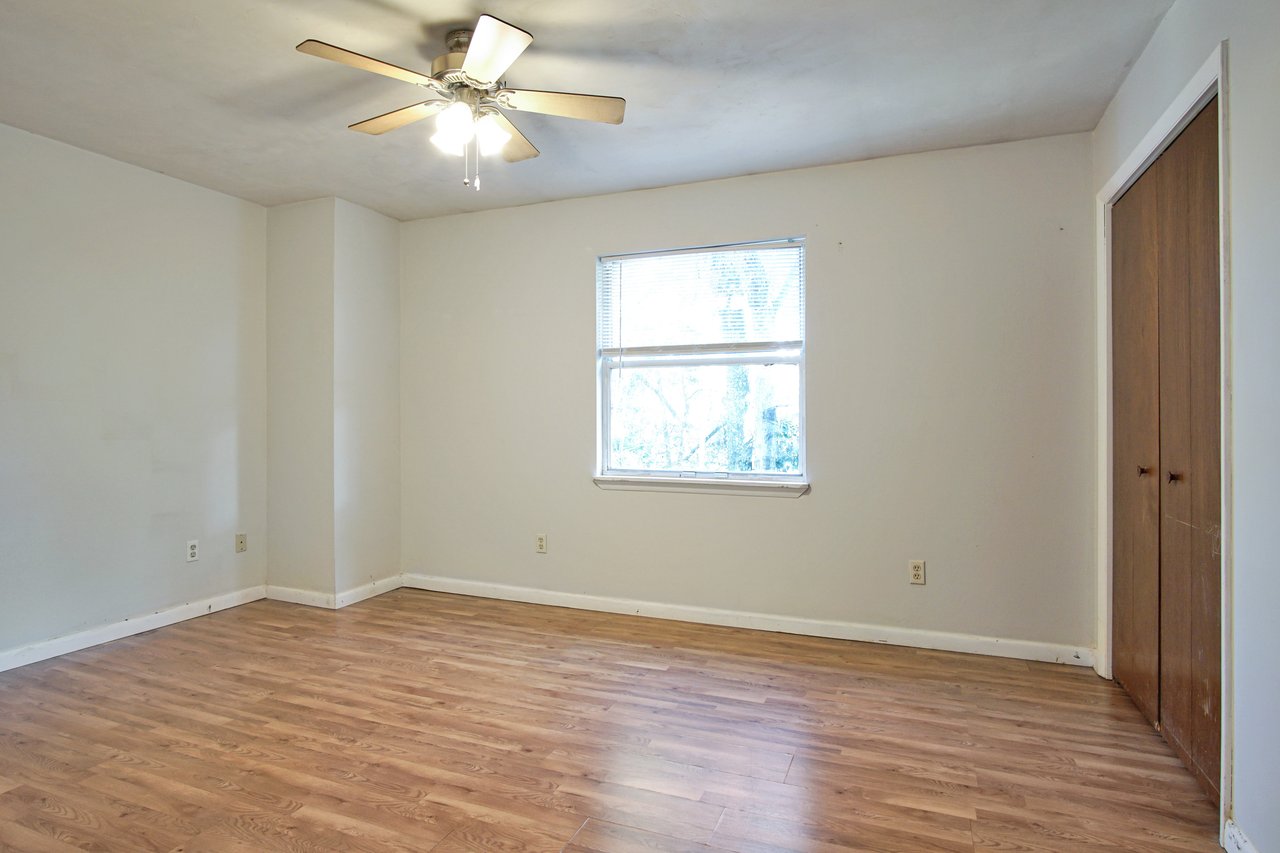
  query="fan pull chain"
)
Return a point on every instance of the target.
[
  {"x": 471, "y": 165},
  {"x": 466, "y": 164}
]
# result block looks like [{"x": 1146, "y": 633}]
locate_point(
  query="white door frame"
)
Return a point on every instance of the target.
[{"x": 1210, "y": 80}]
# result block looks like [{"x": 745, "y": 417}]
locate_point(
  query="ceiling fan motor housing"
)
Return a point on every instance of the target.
[{"x": 456, "y": 44}]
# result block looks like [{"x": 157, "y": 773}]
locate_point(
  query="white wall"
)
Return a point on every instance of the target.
[
  {"x": 300, "y": 338},
  {"x": 366, "y": 391},
  {"x": 950, "y": 398},
  {"x": 1184, "y": 40},
  {"x": 333, "y": 352},
  {"x": 132, "y": 391}
]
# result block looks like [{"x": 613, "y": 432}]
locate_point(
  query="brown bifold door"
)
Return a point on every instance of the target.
[
  {"x": 1167, "y": 408},
  {"x": 1136, "y": 454},
  {"x": 1190, "y": 451}
]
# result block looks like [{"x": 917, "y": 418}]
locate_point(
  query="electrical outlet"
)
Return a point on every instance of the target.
[
  {"x": 917, "y": 571},
  {"x": 540, "y": 543},
  {"x": 242, "y": 543},
  {"x": 193, "y": 550}
]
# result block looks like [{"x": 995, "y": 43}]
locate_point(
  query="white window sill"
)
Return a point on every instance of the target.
[{"x": 755, "y": 488}]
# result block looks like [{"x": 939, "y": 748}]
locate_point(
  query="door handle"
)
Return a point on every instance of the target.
[
  {"x": 1143, "y": 470},
  {"x": 1173, "y": 478}
]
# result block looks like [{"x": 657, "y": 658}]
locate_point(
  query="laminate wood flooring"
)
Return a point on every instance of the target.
[{"x": 419, "y": 721}]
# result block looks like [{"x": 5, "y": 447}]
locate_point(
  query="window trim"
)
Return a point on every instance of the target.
[
  {"x": 700, "y": 355},
  {"x": 744, "y": 488},
  {"x": 778, "y": 243}
]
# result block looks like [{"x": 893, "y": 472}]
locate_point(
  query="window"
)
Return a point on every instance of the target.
[{"x": 701, "y": 368}]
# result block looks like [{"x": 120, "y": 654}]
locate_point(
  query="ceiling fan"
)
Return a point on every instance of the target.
[{"x": 468, "y": 93}]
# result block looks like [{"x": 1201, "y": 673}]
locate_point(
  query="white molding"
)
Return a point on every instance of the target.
[
  {"x": 368, "y": 590},
  {"x": 1021, "y": 649},
  {"x": 1235, "y": 841},
  {"x": 333, "y": 601},
  {"x": 309, "y": 597},
  {"x": 727, "y": 486},
  {"x": 23, "y": 655},
  {"x": 1202, "y": 86},
  {"x": 1226, "y": 476},
  {"x": 1102, "y": 381},
  {"x": 970, "y": 643},
  {"x": 917, "y": 638}
]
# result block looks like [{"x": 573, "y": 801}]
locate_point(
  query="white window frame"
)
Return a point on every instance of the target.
[{"x": 698, "y": 355}]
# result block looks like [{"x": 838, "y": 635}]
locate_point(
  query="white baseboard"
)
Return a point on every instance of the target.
[
  {"x": 369, "y": 590},
  {"x": 23, "y": 655},
  {"x": 1235, "y": 841},
  {"x": 974, "y": 644},
  {"x": 971, "y": 643},
  {"x": 309, "y": 597},
  {"x": 332, "y": 601}
]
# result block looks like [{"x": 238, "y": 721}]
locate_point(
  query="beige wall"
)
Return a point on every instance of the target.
[
  {"x": 334, "y": 384},
  {"x": 300, "y": 346},
  {"x": 132, "y": 390},
  {"x": 950, "y": 398},
  {"x": 366, "y": 390}
]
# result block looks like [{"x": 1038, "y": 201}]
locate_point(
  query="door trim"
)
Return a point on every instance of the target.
[{"x": 1209, "y": 81}]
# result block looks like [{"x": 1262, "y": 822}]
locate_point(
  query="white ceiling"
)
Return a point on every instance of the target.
[{"x": 212, "y": 91}]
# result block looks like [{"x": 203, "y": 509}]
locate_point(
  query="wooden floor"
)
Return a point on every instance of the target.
[{"x": 419, "y": 721}]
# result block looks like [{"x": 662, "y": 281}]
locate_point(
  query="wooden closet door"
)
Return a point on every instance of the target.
[
  {"x": 1190, "y": 407},
  {"x": 1175, "y": 439},
  {"x": 1167, "y": 418},
  {"x": 1136, "y": 455}
]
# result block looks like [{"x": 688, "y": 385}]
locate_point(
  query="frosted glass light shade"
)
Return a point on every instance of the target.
[
  {"x": 490, "y": 134},
  {"x": 454, "y": 129}
]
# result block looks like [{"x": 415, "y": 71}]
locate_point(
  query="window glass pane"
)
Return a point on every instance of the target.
[
  {"x": 741, "y": 418},
  {"x": 745, "y": 294}
]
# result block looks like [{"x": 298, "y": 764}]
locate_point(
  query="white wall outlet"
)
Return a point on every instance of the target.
[
  {"x": 540, "y": 543},
  {"x": 242, "y": 543},
  {"x": 917, "y": 571},
  {"x": 193, "y": 550}
]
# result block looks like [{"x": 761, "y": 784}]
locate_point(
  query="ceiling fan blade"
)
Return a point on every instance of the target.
[
  {"x": 585, "y": 107},
  {"x": 367, "y": 63},
  {"x": 399, "y": 118},
  {"x": 494, "y": 46},
  {"x": 518, "y": 147}
]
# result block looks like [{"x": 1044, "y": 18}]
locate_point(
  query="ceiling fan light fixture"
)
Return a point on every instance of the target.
[
  {"x": 455, "y": 127},
  {"x": 491, "y": 135},
  {"x": 447, "y": 145}
]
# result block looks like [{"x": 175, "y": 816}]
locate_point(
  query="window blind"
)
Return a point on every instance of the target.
[{"x": 745, "y": 294}]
